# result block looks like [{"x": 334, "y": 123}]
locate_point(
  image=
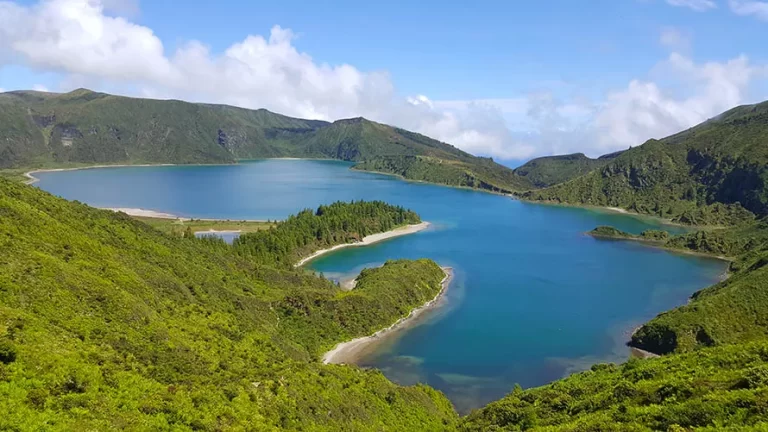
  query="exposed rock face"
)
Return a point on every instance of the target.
[
  {"x": 44, "y": 121},
  {"x": 66, "y": 134}
]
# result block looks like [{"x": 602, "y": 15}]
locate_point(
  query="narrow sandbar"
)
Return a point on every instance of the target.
[
  {"x": 142, "y": 213},
  {"x": 218, "y": 232},
  {"x": 350, "y": 351},
  {"x": 32, "y": 179},
  {"x": 368, "y": 240}
]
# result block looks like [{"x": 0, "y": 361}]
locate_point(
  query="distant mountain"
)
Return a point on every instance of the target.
[
  {"x": 84, "y": 127},
  {"x": 712, "y": 174},
  {"x": 551, "y": 170}
]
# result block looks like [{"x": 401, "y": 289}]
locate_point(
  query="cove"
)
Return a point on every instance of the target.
[{"x": 533, "y": 298}]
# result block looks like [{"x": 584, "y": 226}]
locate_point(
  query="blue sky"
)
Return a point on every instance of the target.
[{"x": 508, "y": 79}]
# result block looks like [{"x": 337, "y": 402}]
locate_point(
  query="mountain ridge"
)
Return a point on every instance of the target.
[
  {"x": 714, "y": 173},
  {"x": 39, "y": 130}
]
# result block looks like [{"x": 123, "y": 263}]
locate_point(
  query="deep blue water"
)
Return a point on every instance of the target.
[{"x": 533, "y": 298}]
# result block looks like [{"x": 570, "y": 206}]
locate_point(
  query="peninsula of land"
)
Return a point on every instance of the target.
[{"x": 350, "y": 351}]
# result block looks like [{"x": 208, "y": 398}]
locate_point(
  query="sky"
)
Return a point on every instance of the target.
[{"x": 507, "y": 79}]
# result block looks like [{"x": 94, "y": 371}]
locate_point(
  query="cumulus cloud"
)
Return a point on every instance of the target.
[
  {"x": 645, "y": 110},
  {"x": 758, "y": 9},
  {"x": 697, "y": 5},
  {"x": 40, "y": 88}
]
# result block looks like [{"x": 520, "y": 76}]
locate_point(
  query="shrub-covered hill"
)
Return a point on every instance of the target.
[
  {"x": 84, "y": 127},
  {"x": 476, "y": 173},
  {"x": 107, "y": 324},
  {"x": 712, "y": 174},
  {"x": 551, "y": 170},
  {"x": 715, "y": 389}
]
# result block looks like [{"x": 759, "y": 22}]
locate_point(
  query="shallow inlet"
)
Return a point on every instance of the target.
[{"x": 533, "y": 297}]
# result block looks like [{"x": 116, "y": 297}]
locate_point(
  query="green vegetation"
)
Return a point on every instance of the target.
[
  {"x": 478, "y": 173},
  {"x": 712, "y": 174},
  {"x": 48, "y": 130},
  {"x": 711, "y": 390},
  {"x": 107, "y": 323},
  {"x": 551, "y": 170},
  {"x": 611, "y": 232},
  {"x": 651, "y": 236},
  {"x": 309, "y": 231},
  {"x": 182, "y": 226},
  {"x": 311, "y": 319}
]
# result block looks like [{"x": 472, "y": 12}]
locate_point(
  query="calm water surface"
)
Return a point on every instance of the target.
[{"x": 533, "y": 298}]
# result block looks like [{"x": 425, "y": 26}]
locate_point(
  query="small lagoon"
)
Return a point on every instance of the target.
[{"x": 533, "y": 298}]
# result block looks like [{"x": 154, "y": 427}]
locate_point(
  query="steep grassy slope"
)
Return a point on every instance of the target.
[
  {"x": 106, "y": 324},
  {"x": 88, "y": 127},
  {"x": 84, "y": 127},
  {"x": 478, "y": 174},
  {"x": 714, "y": 389},
  {"x": 551, "y": 170},
  {"x": 707, "y": 175}
]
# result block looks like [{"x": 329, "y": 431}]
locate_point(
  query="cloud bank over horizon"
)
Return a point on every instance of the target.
[{"x": 93, "y": 43}]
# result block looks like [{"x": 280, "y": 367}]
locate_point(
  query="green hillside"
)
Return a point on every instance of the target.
[
  {"x": 712, "y": 174},
  {"x": 84, "y": 127},
  {"x": 108, "y": 324},
  {"x": 477, "y": 173},
  {"x": 551, "y": 170},
  {"x": 715, "y": 389}
]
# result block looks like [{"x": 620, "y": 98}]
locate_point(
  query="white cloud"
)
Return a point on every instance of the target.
[
  {"x": 758, "y": 9},
  {"x": 40, "y": 88},
  {"x": 645, "y": 110},
  {"x": 675, "y": 39},
  {"x": 697, "y": 5}
]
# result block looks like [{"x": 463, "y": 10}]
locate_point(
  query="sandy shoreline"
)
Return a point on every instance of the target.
[
  {"x": 142, "y": 213},
  {"x": 138, "y": 212},
  {"x": 347, "y": 352},
  {"x": 213, "y": 231},
  {"x": 33, "y": 179},
  {"x": 617, "y": 210},
  {"x": 368, "y": 240}
]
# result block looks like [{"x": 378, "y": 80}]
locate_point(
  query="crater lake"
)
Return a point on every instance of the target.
[{"x": 533, "y": 298}]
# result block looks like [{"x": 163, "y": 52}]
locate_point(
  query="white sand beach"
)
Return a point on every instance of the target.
[
  {"x": 348, "y": 352},
  {"x": 368, "y": 240},
  {"x": 143, "y": 213},
  {"x": 213, "y": 231},
  {"x": 617, "y": 210}
]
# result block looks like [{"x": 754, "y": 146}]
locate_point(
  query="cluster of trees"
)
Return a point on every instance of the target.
[{"x": 308, "y": 231}]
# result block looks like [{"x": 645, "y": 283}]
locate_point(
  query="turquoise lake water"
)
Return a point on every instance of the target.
[{"x": 533, "y": 298}]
